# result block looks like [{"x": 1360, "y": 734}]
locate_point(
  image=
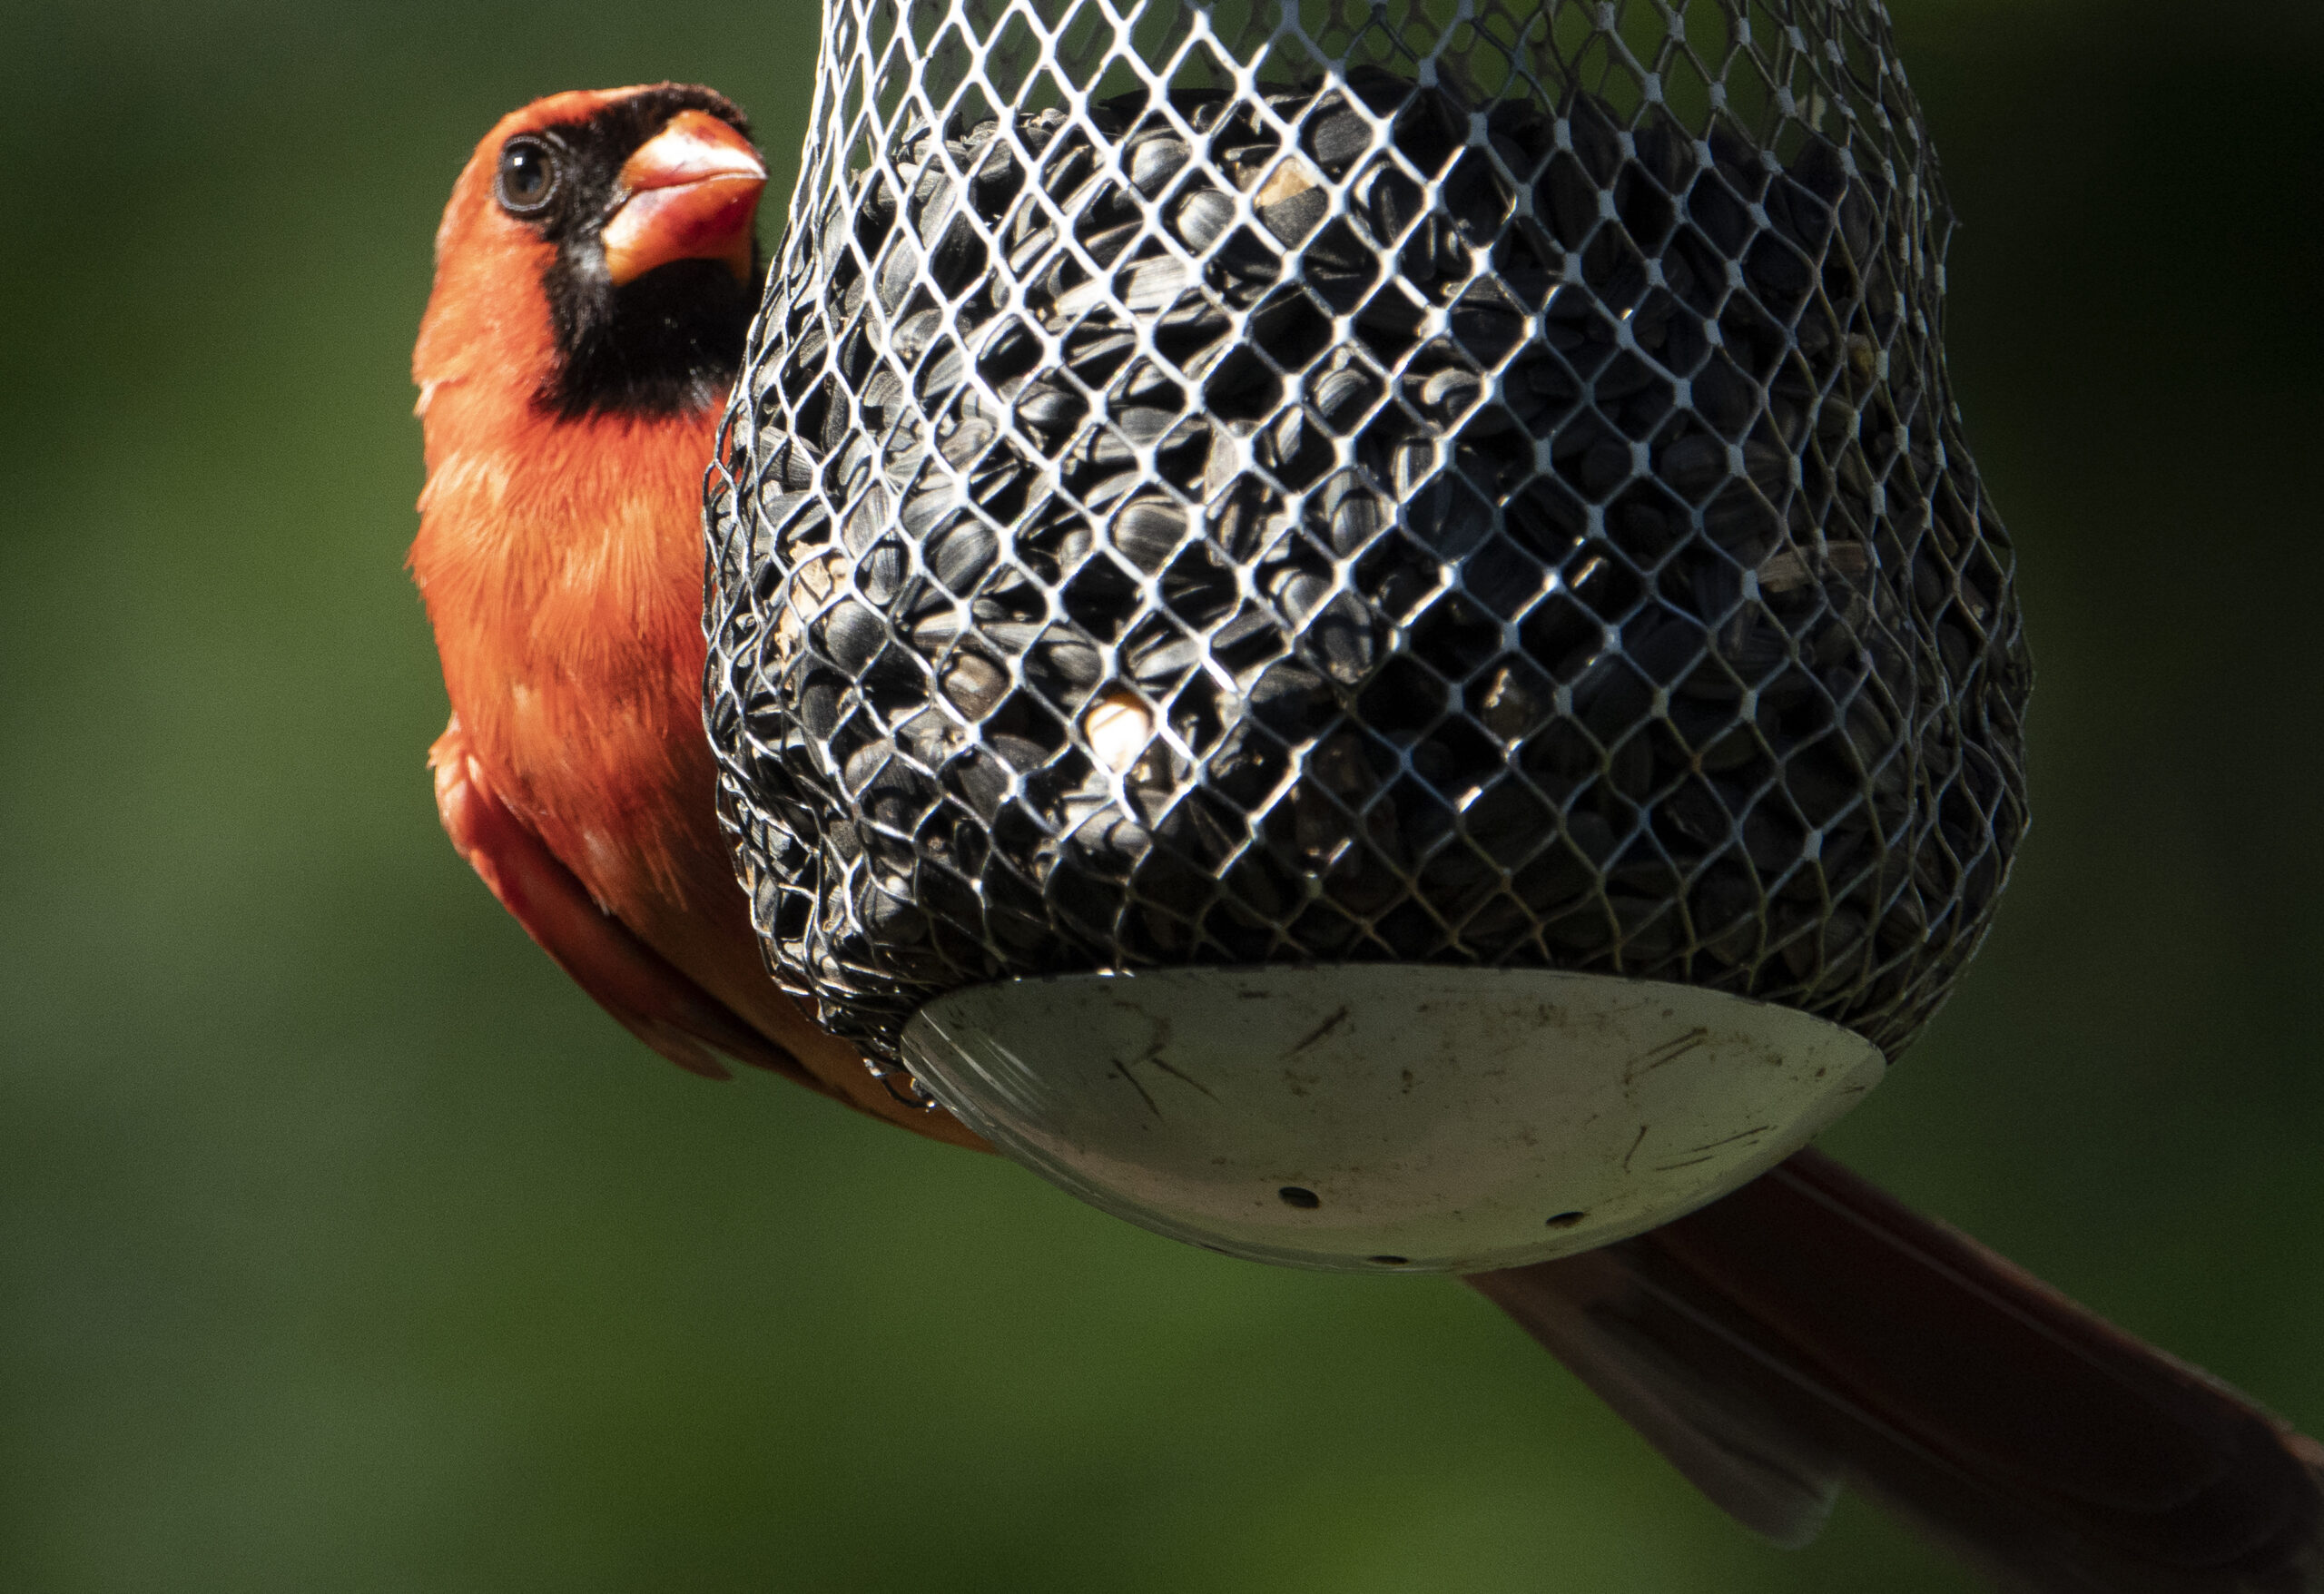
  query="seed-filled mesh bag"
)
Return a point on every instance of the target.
[{"x": 1315, "y": 483}]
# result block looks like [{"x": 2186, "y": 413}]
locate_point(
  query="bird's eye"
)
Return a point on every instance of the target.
[{"x": 528, "y": 175}]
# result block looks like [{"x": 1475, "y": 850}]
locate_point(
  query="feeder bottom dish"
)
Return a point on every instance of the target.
[{"x": 1387, "y": 1118}]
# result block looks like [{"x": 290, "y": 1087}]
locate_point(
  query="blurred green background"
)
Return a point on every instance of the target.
[{"x": 344, "y": 1245}]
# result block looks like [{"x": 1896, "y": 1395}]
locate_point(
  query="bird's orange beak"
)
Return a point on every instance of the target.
[{"x": 693, "y": 190}]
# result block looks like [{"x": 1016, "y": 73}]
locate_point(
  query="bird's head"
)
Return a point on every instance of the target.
[{"x": 599, "y": 257}]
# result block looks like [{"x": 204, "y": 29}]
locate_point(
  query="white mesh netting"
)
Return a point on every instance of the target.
[{"x": 1314, "y": 482}]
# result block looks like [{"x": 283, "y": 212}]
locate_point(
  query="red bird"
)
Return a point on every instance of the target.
[{"x": 596, "y": 273}]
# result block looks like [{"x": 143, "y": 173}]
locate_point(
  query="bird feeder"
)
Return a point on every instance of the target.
[{"x": 1364, "y": 631}]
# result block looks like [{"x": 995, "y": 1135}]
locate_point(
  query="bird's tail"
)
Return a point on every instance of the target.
[{"x": 1809, "y": 1330}]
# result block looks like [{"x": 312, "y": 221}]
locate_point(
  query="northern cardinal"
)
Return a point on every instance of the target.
[{"x": 596, "y": 273}]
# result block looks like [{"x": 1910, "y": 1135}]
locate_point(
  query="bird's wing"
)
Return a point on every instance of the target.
[
  {"x": 639, "y": 987},
  {"x": 1810, "y": 1329}
]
